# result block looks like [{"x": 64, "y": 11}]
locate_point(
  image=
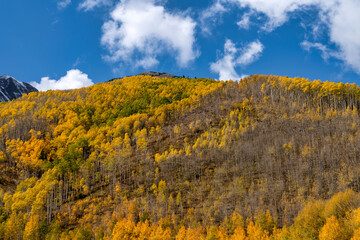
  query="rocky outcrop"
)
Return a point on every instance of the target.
[{"x": 10, "y": 88}]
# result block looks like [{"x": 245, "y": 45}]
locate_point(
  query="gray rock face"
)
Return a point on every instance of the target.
[{"x": 10, "y": 88}]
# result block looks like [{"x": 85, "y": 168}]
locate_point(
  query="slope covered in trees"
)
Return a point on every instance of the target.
[{"x": 159, "y": 158}]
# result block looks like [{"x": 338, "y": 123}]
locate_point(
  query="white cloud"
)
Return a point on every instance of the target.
[
  {"x": 73, "y": 79},
  {"x": 147, "y": 62},
  {"x": 244, "y": 23},
  {"x": 276, "y": 10},
  {"x": 88, "y": 5},
  {"x": 140, "y": 30},
  {"x": 63, "y": 4},
  {"x": 225, "y": 66},
  {"x": 209, "y": 15},
  {"x": 341, "y": 18},
  {"x": 326, "y": 53},
  {"x": 251, "y": 53},
  {"x": 344, "y": 27}
]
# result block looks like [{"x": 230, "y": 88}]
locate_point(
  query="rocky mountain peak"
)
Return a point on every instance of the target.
[{"x": 10, "y": 88}]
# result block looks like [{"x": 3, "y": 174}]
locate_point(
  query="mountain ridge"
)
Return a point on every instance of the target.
[
  {"x": 157, "y": 74},
  {"x": 150, "y": 74},
  {"x": 10, "y": 88}
]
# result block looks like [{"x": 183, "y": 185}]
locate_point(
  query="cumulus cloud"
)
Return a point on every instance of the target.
[
  {"x": 225, "y": 66},
  {"x": 341, "y": 18},
  {"x": 251, "y": 53},
  {"x": 344, "y": 22},
  {"x": 147, "y": 62},
  {"x": 142, "y": 30},
  {"x": 63, "y": 4},
  {"x": 276, "y": 10},
  {"x": 73, "y": 79},
  {"x": 88, "y": 5},
  {"x": 234, "y": 57}
]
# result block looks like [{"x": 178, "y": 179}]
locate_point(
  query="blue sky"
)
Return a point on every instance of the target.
[{"x": 60, "y": 44}]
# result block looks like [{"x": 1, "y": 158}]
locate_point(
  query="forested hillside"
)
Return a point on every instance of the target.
[{"x": 177, "y": 158}]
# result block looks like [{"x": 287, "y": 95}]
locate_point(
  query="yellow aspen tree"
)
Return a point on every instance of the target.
[
  {"x": 356, "y": 235},
  {"x": 239, "y": 234},
  {"x": 222, "y": 233},
  {"x": 266, "y": 221},
  {"x": 195, "y": 233},
  {"x": 181, "y": 235},
  {"x": 255, "y": 232},
  {"x": 2, "y": 157},
  {"x": 142, "y": 230},
  {"x": 159, "y": 233},
  {"x": 332, "y": 230},
  {"x": 32, "y": 228},
  {"x": 141, "y": 140},
  {"x": 213, "y": 233},
  {"x": 127, "y": 149},
  {"x": 123, "y": 229},
  {"x": 11, "y": 229}
]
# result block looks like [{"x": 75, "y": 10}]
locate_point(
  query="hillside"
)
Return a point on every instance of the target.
[{"x": 177, "y": 158}]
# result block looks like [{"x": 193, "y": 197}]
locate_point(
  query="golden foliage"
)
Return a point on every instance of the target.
[
  {"x": 332, "y": 230},
  {"x": 151, "y": 158}
]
